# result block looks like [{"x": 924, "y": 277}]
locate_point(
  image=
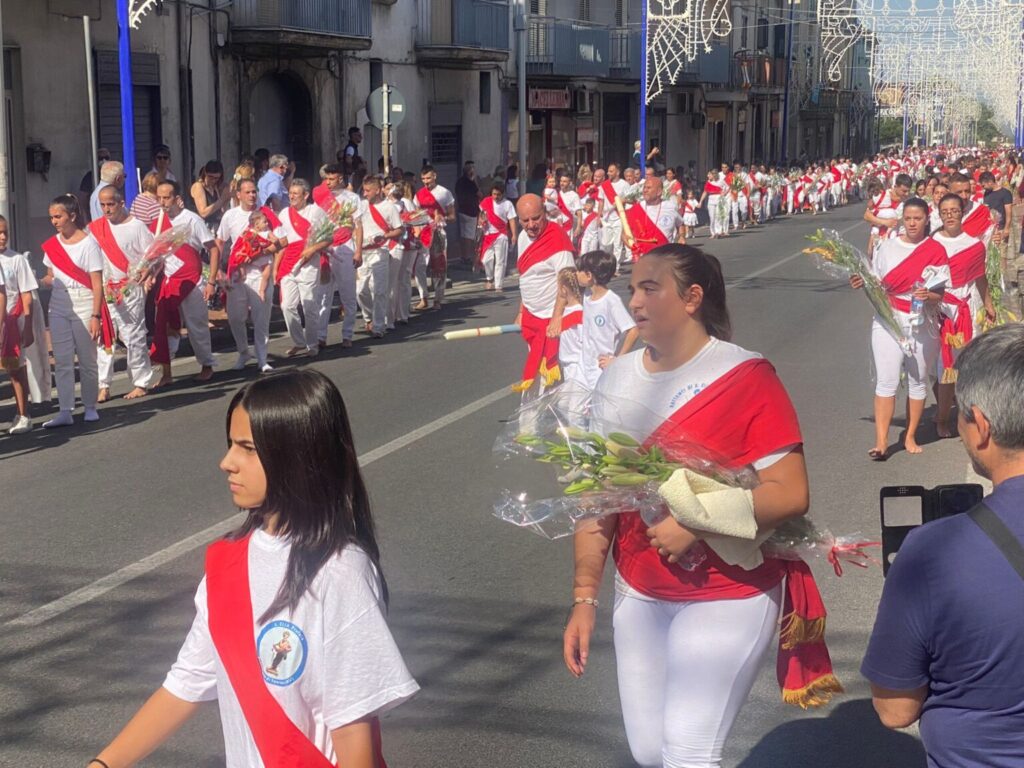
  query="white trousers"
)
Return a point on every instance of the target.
[
  {"x": 685, "y": 669},
  {"x": 244, "y": 301},
  {"x": 890, "y": 360},
  {"x": 302, "y": 291},
  {"x": 70, "y": 316},
  {"x": 718, "y": 213},
  {"x": 611, "y": 241},
  {"x": 196, "y": 317},
  {"x": 394, "y": 290},
  {"x": 343, "y": 283},
  {"x": 372, "y": 287},
  {"x": 403, "y": 291},
  {"x": 129, "y": 319},
  {"x": 496, "y": 262},
  {"x": 591, "y": 240},
  {"x": 419, "y": 273}
]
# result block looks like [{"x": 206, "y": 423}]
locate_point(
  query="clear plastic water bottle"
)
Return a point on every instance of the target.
[{"x": 916, "y": 306}]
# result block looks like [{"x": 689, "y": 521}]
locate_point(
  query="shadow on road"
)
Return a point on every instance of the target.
[{"x": 850, "y": 737}]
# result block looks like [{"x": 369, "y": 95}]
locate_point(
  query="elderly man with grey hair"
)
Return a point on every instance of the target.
[
  {"x": 111, "y": 174},
  {"x": 273, "y": 185},
  {"x": 948, "y": 644}
]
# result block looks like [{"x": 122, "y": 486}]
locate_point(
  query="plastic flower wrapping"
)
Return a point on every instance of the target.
[
  {"x": 996, "y": 288},
  {"x": 588, "y": 456},
  {"x": 150, "y": 265},
  {"x": 838, "y": 258}
]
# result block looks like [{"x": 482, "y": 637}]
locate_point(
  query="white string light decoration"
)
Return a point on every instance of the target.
[
  {"x": 677, "y": 32},
  {"x": 840, "y": 29},
  {"x": 137, "y": 9}
]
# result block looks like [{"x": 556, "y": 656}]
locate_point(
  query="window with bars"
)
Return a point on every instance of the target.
[{"x": 584, "y": 10}]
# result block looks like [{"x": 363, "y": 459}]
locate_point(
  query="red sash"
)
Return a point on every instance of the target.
[
  {"x": 689, "y": 207},
  {"x": 426, "y": 200},
  {"x": 587, "y": 188},
  {"x": 675, "y": 188},
  {"x": 292, "y": 251},
  {"x": 324, "y": 198},
  {"x": 542, "y": 351},
  {"x": 712, "y": 189},
  {"x": 901, "y": 278},
  {"x": 189, "y": 273},
  {"x": 280, "y": 743},
  {"x": 378, "y": 219},
  {"x": 967, "y": 265},
  {"x": 567, "y": 224},
  {"x": 487, "y": 206},
  {"x": 978, "y": 221},
  {"x": 63, "y": 261},
  {"x": 248, "y": 247},
  {"x": 551, "y": 240},
  {"x": 10, "y": 350},
  {"x": 104, "y": 235},
  {"x": 272, "y": 217},
  {"x": 646, "y": 234},
  {"x": 609, "y": 192},
  {"x": 588, "y": 221},
  {"x": 743, "y": 415}
]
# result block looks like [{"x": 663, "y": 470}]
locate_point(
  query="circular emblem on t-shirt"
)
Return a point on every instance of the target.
[
  {"x": 282, "y": 650},
  {"x": 599, "y": 321}
]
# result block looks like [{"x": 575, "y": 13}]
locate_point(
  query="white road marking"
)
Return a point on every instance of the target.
[
  {"x": 150, "y": 563},
  {"x": 741, "y": 280},
  {"x": 114, "y": 580}
]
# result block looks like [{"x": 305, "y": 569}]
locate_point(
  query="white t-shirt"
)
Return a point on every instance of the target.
[
  {"x": 133, "y": 237},
  {"x": 665, "y": 216},
  {"x": 609, "y": 213},
  {"x": 16, "y": 275},
  {"x": 199, "y": 234},
  {"x": 505, "y": 211},
  {"x": 444, "y": 197},
  {"x": 969, "y": 292},
  {"x": 604, "y": 322},
  {"x": 570, "y": 348},
  {"x": 371, "y": 229},
  {"x": 315, "y": 215},
  {"x": 86, "y": 254},
  {"x": 232, "y": 225},
  {"x": 569, "y": 199},
  {"x": 538, "y": 288},
  {"x": 337, "y": 663},
  {"x": 631, "y": 399}
]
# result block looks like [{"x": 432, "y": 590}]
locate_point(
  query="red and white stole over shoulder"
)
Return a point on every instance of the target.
[
  {"x": 646, "y": 233},
  {"x": 551, "y": 240},
  {"x": 967, "y": 264},
  {"x": 957, "y": 329},
  {"x": 104, "y": 235},
  {"x": 901, "y": 278},
  {"x": 426, "y": 200},
  {"x": 978, "y": 223},
  {"x": 712, "y": 189},
  {"x": 743, "y": 415},
  {"x": 192, "y": 268},
  {"x": 279, "y": 741},
  {"x": 499, "y": 224},
  {"x": 62, "y": 260},
  {"x": 560, "y": 202},
  {"x": 292, "y": 251}
]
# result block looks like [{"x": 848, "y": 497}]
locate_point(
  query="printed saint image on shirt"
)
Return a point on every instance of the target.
[{"x": 282, "y": 651}]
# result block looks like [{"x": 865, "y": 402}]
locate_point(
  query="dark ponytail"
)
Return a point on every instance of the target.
[
  {"x": 691, "y": 266},
  {"x": 71, "y": 207}
]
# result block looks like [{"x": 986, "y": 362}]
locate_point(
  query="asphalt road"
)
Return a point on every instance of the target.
[{"x": 115, "y": 515}]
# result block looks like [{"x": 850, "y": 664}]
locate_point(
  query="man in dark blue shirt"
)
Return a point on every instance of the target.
[{"x": 948, "y": 643}]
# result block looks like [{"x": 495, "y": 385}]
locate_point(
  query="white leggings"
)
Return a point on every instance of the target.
[
  {"x": 889, "y": 359},
  {"x": 685, "y": 669}
]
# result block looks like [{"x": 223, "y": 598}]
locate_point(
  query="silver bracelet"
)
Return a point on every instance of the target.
[{"x": 585, "y": 601}]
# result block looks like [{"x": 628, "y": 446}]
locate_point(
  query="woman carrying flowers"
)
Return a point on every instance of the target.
[{"x": 689, "y": 643}]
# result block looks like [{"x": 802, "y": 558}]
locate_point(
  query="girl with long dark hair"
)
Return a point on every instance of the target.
[
  {"x": 290, "y": 634},
  {"x": 689, "y": 643}
]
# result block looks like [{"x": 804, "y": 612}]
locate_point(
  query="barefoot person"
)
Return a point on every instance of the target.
[
  {"x": 689, "y": 643},
  {"x": 123, "y": 240},
  {"x": 899, "y": 263},
  {"x": 290, "y": 635},
  {"x": 183, "y": 292},
  {"x": 78, "y": 315},
  {"x": 439, "y": 204}
]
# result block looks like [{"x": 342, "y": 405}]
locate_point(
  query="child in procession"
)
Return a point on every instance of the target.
[
  {"x": 608, "y": 328},
  {"x": 290, "y": 634}
]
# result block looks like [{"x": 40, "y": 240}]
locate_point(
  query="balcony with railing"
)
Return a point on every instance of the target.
[
  {"x": 271, "y": 26},
  {"x": 455, "y": 33},
  {"x": 626, "y": 52},
  {"x": 758, "y": 71},
  {"x": 568, "y": 48}
]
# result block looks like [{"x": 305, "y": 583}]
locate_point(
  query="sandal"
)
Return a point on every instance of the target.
[{"x": 876, "y": 455}]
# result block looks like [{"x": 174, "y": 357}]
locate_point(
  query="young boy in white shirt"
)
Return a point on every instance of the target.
[{"x": 608, "y": 328}]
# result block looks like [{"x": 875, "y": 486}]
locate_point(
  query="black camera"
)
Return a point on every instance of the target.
[{"x": 905, "y": 507}]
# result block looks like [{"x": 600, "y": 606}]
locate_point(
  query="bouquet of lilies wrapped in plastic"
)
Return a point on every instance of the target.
[
  {"x": 996, "y": 289},
  {"x": 838, "y": 258},
  {"x": 150, "y": 265},
  {"x": 585, "y": 464}
]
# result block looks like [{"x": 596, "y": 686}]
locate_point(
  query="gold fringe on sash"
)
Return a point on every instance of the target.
[
  {"x": 523, "y": 385},
  {"x": 955, "y": 340},
  {"x": 797, "y": 631},
  {"x": 949, "y": 376},
  {"x": 817, "y": 694}
]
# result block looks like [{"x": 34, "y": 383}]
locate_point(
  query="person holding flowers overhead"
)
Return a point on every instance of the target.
[
  {"x": 689, "y": 643},
  {"x": 905, "y": 265}
]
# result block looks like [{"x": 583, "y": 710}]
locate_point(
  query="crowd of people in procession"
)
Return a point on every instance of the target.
[{"x": 688, "y": 641}]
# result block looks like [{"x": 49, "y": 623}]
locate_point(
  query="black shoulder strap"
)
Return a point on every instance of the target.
[{"x": 1000, "y": 535}]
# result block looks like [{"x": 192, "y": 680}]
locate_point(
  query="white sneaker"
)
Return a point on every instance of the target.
[
  {"x": 242, "y": 361},
  {"x": 266, "y": 368},
  {"x": 20, "y": 426},
  {"x": 91, "y": 414},
  {"x": 62, "y": 419}
]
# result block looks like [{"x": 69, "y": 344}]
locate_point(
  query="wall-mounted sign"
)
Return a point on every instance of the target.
[{"x": 548, "y": 98}]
